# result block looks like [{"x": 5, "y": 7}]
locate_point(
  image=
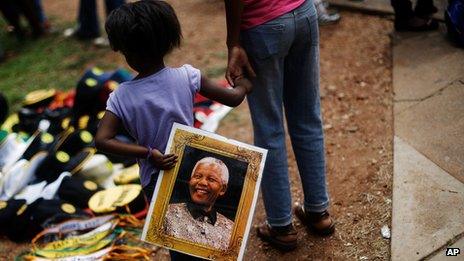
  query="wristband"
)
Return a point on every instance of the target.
[{"x": 150, "y": 150}]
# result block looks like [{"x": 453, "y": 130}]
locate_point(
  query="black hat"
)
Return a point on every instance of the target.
[
  {"x": 88, "y": 91},
  {"x": 75, "y": 141},
  {"x": 8, "y": 211},
  {"x": 52, "y": 166},
  {"x": 77, "y": 161},
  {"x": 31, "y": 219},
  {"x": 58, "y": 162},
  {"x": 77, "y": 191},
  {"x": 92, "y": 125},
  {"x": 41, "y": 142},
  {"x": 28, "y": 121},
  {"x": 56, "y": 117}
]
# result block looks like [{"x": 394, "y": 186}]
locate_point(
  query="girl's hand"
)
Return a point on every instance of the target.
[
  {"x": 244, "y": 82},
  {"x": 163, "y": 161}
]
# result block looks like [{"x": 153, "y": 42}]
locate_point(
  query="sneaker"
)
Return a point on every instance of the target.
[
  {"x": 70, "y": 32},
  {"x": 101, "y": 42},
  {"x": 323, "y": 15},
  {"x": 282, "y": 238},
  {"x": 74, "y": 32},
  {"x": 326, "y": 18},
  {"x": 319, "y": 223}
]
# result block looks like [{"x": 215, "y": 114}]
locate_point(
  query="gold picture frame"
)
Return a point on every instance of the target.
[{"x": 181, "y": 137}]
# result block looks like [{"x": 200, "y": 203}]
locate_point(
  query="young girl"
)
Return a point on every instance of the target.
[{"x": 144, "y": 32}]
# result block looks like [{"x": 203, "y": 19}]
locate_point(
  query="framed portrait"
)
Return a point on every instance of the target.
[{"x": 205, "y": 204}]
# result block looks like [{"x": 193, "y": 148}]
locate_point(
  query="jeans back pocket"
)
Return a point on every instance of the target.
[{"x": 263, "y": 41}]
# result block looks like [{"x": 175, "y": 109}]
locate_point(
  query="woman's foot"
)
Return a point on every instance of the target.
[
  {"x": 319, "y": 223},
  {"x": 328, "y": 18},
  {"x": 282, "y": 238},
  {"x": 324, "y": 17}
]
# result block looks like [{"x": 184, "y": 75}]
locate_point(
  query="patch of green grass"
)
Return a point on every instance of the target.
[
  {"x": 220, "y": 55},
  {"x": 216, "y": 72},
  {"x": 49, "y": 62}
]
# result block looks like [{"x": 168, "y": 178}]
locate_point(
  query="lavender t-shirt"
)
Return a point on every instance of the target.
[{"x": 149, "y": 106}]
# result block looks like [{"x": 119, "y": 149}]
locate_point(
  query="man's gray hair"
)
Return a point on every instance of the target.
[{"x": 219, "y": 164}]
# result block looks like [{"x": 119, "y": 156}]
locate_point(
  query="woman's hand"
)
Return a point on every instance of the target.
[{"x": 238, "y": 64}]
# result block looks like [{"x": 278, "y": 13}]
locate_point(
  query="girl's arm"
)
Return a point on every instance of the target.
[
  {"x": 230, "y": 97},
  {"x": 105, "y": 141}
]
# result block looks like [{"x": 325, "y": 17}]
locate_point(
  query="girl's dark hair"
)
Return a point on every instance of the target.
[{"x": 144, "y": 29}]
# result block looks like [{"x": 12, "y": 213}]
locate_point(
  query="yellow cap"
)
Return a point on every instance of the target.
[
  {"x": 62, "y": 156},
  {"x": 21, "y": 210},
  {"x": 100, "y": 115},
  {"x": 47, "y": 138},
  {"x": 128, "y": 175},
  {"x": 65, "y": 123},
  {"x": 68, "y": 208},
  {"x": 90, "y": 185},
  {"x": 38, "y": 95},
  {"x": 91, "y": 82},
  {"x": 83, "y": 121},
  {"x": 108, "y": 200},
  {"x": 97, "y": 71},
  {"x": 86, "y": 136}
]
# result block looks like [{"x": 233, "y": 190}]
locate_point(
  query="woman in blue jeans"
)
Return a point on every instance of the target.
[{"x": 281, "y": 40}]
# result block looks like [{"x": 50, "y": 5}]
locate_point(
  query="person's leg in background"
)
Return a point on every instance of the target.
[
  {"x": 10, "y": 11},
  {"x": 403, "y": 12},
  {"x": 88, "y": 27},
  {"x": 110, "y": 5},
  {"x": 39, "y": 10},
  {"x": 419, "y": 20},
  {"x": 41, "y": 15},
  {"x": 27, "y": 7},
  {"x": 302, "y": 108},
  {"x": 425, "y": 8}
]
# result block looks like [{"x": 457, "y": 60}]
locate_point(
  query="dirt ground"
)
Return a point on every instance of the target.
[{"x": 356, "y": 91}]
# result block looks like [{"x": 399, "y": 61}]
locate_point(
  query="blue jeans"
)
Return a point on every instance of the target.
[
  {"x": 284, "y": 53},
  {"x": 89, "y": 26}
]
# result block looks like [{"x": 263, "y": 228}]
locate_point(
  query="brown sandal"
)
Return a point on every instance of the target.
[
  {"x": 319, "y": 223},
  {"x": 284, "y": 240}
]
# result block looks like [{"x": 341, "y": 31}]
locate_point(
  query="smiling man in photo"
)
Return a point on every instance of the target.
[{"x": 197, "y": 220}]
